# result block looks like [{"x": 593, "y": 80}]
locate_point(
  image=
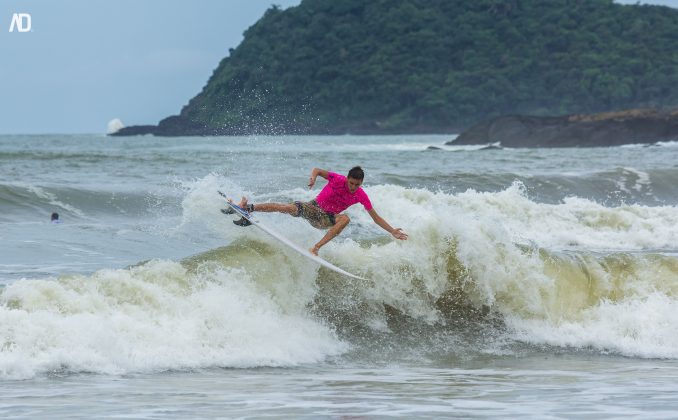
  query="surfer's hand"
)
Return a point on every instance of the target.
[
  {"x": 314, "y": 250},
  {"x": 399, "y": 234}
]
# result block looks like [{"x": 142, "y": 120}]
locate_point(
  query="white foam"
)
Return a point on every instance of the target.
[
  {"x": 633, "y": 179},
  {"x": 114, "y": 126},
  {"x": 541, "y": 302},
  {"x": 498, "y": 239},
  {"x": 673, "y": 143},
  {"x": 51, "y": 198},
  {"x": 154, "y": 317},
  {"x": 574, "y": 224},
  {"x": 639, "y": 326}
]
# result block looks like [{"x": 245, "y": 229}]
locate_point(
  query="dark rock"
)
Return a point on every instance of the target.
[
  {"x": 172, "y": 126},
  {"x": 135, "y": 130},
  {"x": 177, "y": 125},
  {"x": 597, "y": 130}
]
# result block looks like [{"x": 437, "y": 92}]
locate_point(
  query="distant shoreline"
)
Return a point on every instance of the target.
[
  {"x": 636, "y": 126},
  {"x": 177, "y": 126}
]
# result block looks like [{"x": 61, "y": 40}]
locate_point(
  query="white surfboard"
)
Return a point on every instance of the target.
[{"x": 306, "y": 253}]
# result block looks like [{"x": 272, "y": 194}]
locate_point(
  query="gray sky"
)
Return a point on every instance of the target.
[{"x": 85, "y": 62}]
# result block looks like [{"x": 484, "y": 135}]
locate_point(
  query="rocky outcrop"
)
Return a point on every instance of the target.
[
  {"x": 179, "y": 126},
  {"x": 639, "y": 126},
  {"x": 170, "y": 126}
]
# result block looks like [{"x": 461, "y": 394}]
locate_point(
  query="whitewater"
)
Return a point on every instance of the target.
[{"x": 535, "y": 283}]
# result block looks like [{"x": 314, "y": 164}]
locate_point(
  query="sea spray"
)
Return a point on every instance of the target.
[
  {"x": 155, "y": 316},
  {"x": 529, "y": 263},
  {"x": 642, "y": 326},
  {"x": 574, "y": 274}
]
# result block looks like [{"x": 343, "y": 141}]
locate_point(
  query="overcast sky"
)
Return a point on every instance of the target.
[{"x": 85, "y": 62}]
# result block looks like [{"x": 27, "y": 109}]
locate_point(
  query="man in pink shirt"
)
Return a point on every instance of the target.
[{"x": 325, "y": 212}]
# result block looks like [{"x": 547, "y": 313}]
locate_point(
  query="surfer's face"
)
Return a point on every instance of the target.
[{"x": 353, "y": 184}]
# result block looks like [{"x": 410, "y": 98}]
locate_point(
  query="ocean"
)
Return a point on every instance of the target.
[{"x": 535, "y": 283}]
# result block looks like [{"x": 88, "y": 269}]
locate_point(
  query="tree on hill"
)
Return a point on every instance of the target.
[{"x": 438, "y": 65}]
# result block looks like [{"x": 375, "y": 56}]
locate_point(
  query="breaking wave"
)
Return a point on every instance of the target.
[{"x": 491, "y": 271}]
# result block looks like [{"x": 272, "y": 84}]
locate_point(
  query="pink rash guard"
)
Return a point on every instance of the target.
[{"x": 335, "y": 196}]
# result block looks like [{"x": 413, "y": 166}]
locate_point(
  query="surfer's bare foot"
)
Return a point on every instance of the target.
[
  {"x": 243, "y": 203},
  {"x": 314, "y": 250}
]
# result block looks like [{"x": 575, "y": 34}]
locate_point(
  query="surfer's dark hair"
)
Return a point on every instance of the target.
[{"x": 356, "y": 173}]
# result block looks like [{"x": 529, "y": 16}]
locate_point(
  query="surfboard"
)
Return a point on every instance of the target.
[{"x": 306, "y": 253}]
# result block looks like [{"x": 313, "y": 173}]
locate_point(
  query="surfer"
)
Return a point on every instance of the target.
[{"x": 325, "y": 211}]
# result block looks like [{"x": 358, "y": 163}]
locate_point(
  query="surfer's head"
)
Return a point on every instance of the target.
[
  {"x": 355, "y": 178},
  {"x": 55, "y": 216},
  {"x": 356, "y": 172}
]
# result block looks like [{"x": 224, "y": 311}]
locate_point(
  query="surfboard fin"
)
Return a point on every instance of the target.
[
  {"x": 242, "y": 222},
  {"x": 228, "y": 211}
]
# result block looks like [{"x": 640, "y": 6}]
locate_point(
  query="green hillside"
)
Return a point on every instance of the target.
[{"x": 438, "y": 65}]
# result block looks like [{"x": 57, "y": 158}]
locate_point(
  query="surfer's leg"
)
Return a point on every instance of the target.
[
  {"x": 276, "y": 207},
  {"x": 268, "y": 207},
  {"x": 342, "y": 221}
]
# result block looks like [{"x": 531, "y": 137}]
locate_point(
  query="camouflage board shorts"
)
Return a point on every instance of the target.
[{"x": 317, "y": 217}]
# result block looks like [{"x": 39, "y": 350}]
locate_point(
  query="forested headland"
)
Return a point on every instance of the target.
[{"x": 434, "y": 66}]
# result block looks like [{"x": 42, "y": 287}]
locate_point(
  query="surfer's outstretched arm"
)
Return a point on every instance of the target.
[
  {"x": 396, "y": 232},
  {"x": 314, "y": 174}
]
